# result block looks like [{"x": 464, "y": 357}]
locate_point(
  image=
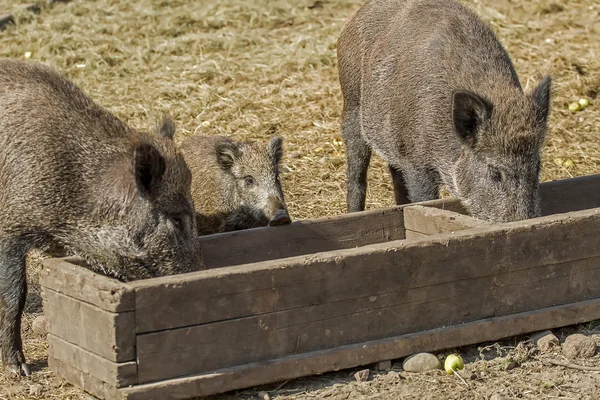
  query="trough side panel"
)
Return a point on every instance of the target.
[
  {"x": 255, "y": 289},
  {"x": 87, "y": 382},
  {"x": 303, "y": 237},
  {"x": 114, "y": 374},
  {"x": 69, "y": 277},
  {"x": 193, "y": 350},
  {"x": 365, "y": 353},
  {"x": 434, "y": 221},
  {"x": 568, "y": 195},
  {"x": 109, "y": 335}
]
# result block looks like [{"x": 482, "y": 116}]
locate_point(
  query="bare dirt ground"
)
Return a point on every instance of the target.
[{"x": 251, "y": 69}]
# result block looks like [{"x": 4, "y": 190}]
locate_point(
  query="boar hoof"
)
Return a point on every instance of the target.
[
  {"x": 16, "y": 370},
  {"x": 281, "y": 218}
]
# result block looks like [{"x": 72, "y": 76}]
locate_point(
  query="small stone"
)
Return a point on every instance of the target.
[
  {"x": 384, "y": 365},
  {"x": 421, "y": 362},
  {"x": 579, "y": 346},
  {"x": 38, "y": 326},
  {"x": 295, "y": 154},
  {"x": 263, "y": 396},
  {"x": 393, "y": 375},
  {"x": 362, "y": 375},
  {"x": 545, "y": 341},
  {"x": 36, "y": 389},
  {"x": 498, "y": 396}
]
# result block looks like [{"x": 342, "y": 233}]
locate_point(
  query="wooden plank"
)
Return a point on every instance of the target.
[
  {"x": 365, "y": 353},
  {"x": 560, "y": 196},
  {"x": 271, "y": 286},
  {"x": 415, "y": 235},
  {"x": 568, "y": 195},
  {"x": 114, "y": 374},
  {"x": 190, "y": 350},
  {"x": 433, "y": 221},
  {"x": 70, "y": 277},
  {"x": 87, "y": 382},
  {"x": 109, "y": 335},
  {"x": 303, "y": 237}
]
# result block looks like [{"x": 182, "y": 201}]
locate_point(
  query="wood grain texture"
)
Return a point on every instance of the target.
[
  {"x": 434, "y": 221},
  {"x": 109, "y": 335},
  {"x": 568, "y": 195},
  {"x": 70, "y": 277},
  {"x": 365, "y": 353},
  {"x": 114, "y": 374},
  {"x": 191, "y": 350},
  {"x": 303, "y": 237},
  {"x": 87, "y": 382},
  {"x": 271, "y": 286}
]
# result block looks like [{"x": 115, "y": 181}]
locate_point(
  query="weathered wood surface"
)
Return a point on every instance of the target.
[
  {"x": 433, "y": 221},
  {"x": 303, "y": 237},
  {"x": 568, "y": 195},
  {"x": 87, "y": 382},
  {"x": 114, "y": 374},
  {"x": 253, "y": 289},
  {"x": 365, "y": 353},
  {"x": 109, "y": 335},
  {"x": 191, "y": 350},
  {"x": 64, "y": 275},
  {"x": 351, "y": 296}
]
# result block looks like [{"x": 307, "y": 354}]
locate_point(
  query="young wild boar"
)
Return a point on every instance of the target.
[
  {"x": 235, "y": 185},
  {"x": 74, "y": 179},
  {"x": 427, "y": 85}
]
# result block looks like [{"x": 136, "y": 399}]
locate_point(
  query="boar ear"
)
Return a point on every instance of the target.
[
  {"x": 275, "y": 148},
  {"x": 227, "y": 152},
  {"x": 166, "y": 128},
  {"x": 469, "y": 113},
  {"x": 541, "y": 99},
  {"x": 149, "y": 167}
]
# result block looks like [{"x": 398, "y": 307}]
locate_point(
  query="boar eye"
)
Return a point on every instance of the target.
[
  {"x": 249, "y": 180},
  {"x": 496, "y": 174}
]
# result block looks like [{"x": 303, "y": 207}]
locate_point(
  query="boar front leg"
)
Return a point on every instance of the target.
[
  {"x": 358, "y": 156},
  {"x": 13, "y": 289},
  {"x": 400, "y": 190},
  {"x": 422, "y": 184}
]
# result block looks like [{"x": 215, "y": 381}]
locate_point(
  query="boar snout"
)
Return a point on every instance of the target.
[
  {"x": 281, "y": 218},
  {"x": 279, "y": 214}
]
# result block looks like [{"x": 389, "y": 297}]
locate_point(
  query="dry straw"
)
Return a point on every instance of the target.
[{"x": 254, "y": 68}]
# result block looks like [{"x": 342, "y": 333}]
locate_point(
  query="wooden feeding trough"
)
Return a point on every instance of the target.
[{"x": 327, "y": 294}]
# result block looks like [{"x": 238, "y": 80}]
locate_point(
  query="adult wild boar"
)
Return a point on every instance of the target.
[
  {"x": 428, "y": 86},
  {"x": 74, "y": 179}
]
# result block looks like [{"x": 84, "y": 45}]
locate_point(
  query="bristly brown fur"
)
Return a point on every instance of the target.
[
  {"x": 235, "y": 185},
  {"x": 428, "y": 86},
  {"x": 74, "y": 179}
]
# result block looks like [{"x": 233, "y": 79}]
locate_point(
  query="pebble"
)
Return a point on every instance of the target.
[
  {"x": 545, "y": 341},
  {"x": 421, "y": 362},
  {"x": 393, "y": 375},
  {"x": 362, "y": 375},
  {"x": 579, "y": 346},
  {"x": 263, "y": 396},
  {"x": 384, "y": 365},
  {"x": 38, "y": 326},
  {"x": 498, "y": 396}
]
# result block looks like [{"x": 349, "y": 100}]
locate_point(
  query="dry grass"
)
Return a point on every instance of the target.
[{"x": 251, "y": 69}]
